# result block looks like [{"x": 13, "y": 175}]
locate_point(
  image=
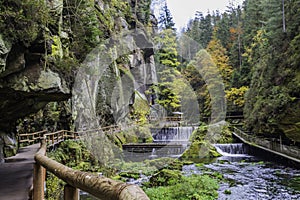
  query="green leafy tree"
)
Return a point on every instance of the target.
[
  {"x": 206, "y": 80},
  {"x": 236, "y": 99},
  {"x": 23, "y": 21},
  {"x": 219, "y": 57}
]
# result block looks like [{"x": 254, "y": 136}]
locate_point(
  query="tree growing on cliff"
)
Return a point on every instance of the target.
[{"x": 165, "y": 19}]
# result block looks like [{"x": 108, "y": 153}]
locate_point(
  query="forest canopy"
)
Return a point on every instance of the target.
[{"x": 255, "y": 47}]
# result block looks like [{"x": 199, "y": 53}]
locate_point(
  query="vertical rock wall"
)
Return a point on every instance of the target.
[
  {"x": 122, "y": 70},
  {"x": 39, "y": 65}
]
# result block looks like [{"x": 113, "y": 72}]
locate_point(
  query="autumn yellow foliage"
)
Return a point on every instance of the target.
[{"x": 235, "y": 96}]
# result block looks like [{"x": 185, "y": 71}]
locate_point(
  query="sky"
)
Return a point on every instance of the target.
[{"x": 184, "y": 10}]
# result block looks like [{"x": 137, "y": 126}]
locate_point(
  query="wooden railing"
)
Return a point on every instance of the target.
[
  {"x": 170, "y": 119},
  {"x": 30, "y": 138},
  {"x": 100, "y": 187},
  {"x": 54, "y": 138}
]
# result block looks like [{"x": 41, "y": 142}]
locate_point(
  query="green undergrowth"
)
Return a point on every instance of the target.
[
  {"x": 193, "y": 187},
  {"x": 134, "y": 170},
  {"x": 73, "y": 154},
  {"x": 167, "y": 181}
]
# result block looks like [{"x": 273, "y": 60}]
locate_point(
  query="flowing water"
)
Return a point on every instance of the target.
[
  {"x": 249, "y": 177},
  {"x": 168, "y": 142},
  {"x": 246, "y": 177},
  {"x": 172, "y": 134}
]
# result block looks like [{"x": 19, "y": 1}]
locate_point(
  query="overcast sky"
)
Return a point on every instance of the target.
[{"x": 184, "y": 10}]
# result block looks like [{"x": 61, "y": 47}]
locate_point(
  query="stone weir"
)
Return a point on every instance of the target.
[
  {"x": 172, "y": 134},
  {"x": 167, "y": 142}
]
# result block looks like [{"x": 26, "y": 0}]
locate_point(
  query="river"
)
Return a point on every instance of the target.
[
  {"x": 250, "y": 177},
  {"x": 245, "y": 176}
]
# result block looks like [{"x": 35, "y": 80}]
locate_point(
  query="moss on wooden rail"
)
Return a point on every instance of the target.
[{"x": 101, "y": 187}]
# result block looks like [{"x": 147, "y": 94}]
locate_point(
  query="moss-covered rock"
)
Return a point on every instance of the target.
[
  {"x": 202, "y": 139},
  {"x": 166, "y": 177},
  {"x": 123, "y": 137},
  {"x": 226, "y": 135},
  {"x": 133, "y": 175},
  {"x": 165, "y": 162},
  {"x": 200, "y": 149},
  {"x": 215, "y": 133},
  {"x": 8, "y": 146},
  {"x": 144, "y": 134},
  {"x": 49, "y": 80},
  {"x": 139, "y": 134}
]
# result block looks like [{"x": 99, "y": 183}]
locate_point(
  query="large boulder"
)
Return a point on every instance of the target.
[{"x": 29, "y": 91}]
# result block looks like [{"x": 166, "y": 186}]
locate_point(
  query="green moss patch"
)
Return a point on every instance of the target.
[{"x": 194, "y": 187}]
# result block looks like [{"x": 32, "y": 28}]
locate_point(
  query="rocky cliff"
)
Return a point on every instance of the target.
[{"x": 44, "y": 47}]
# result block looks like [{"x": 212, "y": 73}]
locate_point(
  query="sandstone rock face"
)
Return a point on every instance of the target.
[
  {"x": 25, "y": 88},
  {"x": 30, "y": 77},
  {"x": 114, "y": 85},
  {"x": 115, "y": 74},
  {"x": 5, "y": 47},
  {"x": 7, "y": 146}
]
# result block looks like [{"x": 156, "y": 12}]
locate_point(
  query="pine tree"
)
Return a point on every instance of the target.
[
  {"x": 167, "y": 61},
  {"x": 200, "y": 28},
  {"x": 270, "y": 91},
  {"x": 165, "y": 19}
]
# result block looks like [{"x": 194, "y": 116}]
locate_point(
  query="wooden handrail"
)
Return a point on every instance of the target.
[
  {"x": 101, "y": 187},
  {"x": 58, "y": 136},
  {"x": 114, "y": 127},
  {"x": 30, "y": 138}
]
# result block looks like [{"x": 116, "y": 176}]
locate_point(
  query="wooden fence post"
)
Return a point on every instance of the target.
[
  {"x": 38, "y": 182},
  {"x": 71, "y": 193}
]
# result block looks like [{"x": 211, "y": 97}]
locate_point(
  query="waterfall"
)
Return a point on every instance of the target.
[
  {"x": 168, "y": 142},
  {"x": 232, "y": 150},
  {"x": 172, "y": 134},
  {"x": 153, "y": 153}
]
